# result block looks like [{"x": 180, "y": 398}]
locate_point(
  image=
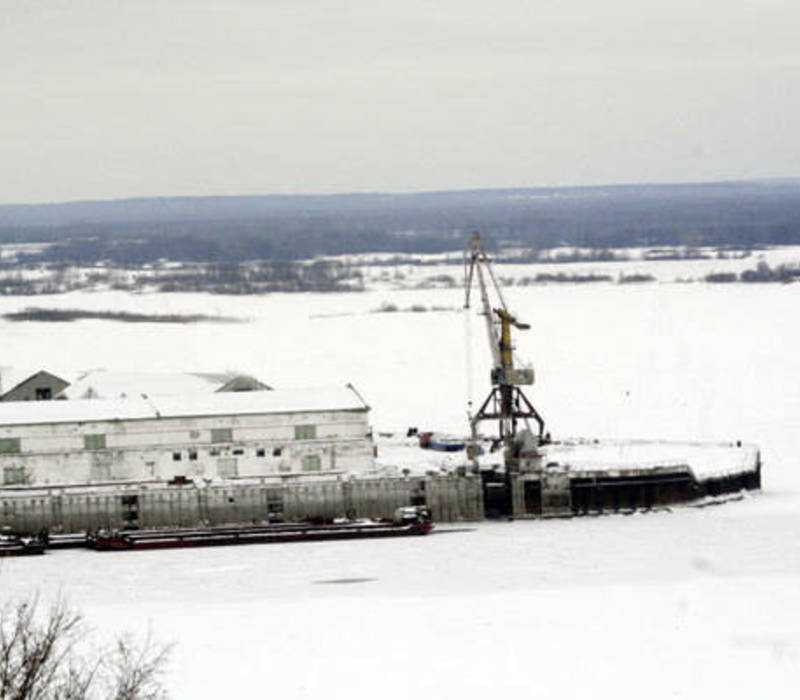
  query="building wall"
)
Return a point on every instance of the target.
[
  {"x": 199, "y": 447},
  {"x": 79, "y": 509}
]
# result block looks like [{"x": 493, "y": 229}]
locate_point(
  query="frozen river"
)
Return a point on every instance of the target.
[
  {"x": 677, "y": 604},
  {"x": 674, "y": 604}
]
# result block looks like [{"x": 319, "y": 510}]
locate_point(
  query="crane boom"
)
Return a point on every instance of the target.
[
  {"x": 494, "y": 343},
  {"x": 506, "y": 403}
]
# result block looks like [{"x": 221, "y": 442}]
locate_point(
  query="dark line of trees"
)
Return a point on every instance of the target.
[
  {"x": 761, "y": 273},
  {"x": 236, "y": 229}
]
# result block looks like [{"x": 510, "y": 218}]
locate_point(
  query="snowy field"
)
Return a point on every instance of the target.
[
  {"x": 633, "y": 262},
  {"x": 688, "y": 603}
]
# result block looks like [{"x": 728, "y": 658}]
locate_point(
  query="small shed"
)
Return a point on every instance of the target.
[{"x": 38, "y": 386}]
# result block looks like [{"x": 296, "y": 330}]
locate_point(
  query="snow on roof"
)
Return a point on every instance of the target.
[
  {"x": 101, "y": 384},
  {"x": 197, "y": 405}
]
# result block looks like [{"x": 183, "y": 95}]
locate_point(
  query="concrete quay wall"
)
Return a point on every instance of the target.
[
  {"x": 451, "y": 498},
  {"x": 75, "y": 509}
]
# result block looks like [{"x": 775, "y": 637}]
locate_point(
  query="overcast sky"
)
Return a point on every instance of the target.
[{"x": 126, "y": 98}]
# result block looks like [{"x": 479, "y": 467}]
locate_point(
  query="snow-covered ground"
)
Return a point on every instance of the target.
[
  {"x": 391, "y": 271},
  {"x": 688, "y": 603},
  {"x": 397, "y": 452},
  {"x": 633, "y": 261}
]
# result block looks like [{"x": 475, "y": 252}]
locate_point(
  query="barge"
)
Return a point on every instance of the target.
[
  {"x": 15, "y": 545},
  {"x": 408, "y": 521}
]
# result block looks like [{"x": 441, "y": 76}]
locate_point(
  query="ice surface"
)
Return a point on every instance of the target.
[
  {"x": 688, "y": 603},
  {"x": 674, "y": 604}
]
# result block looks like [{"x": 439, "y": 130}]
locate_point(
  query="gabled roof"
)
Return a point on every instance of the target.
[
  {"x": 12, "y": 378},
  {"x": 244, "y": 382}
]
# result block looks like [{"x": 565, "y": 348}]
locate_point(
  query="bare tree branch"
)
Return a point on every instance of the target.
[{"x": 40, "y": 659}]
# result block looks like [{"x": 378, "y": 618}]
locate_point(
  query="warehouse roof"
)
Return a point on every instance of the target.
[
  {"x": 102, "y": 384},
  {"x": 190, "y": 406}
]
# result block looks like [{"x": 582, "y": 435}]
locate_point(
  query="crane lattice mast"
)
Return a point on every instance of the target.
[{"x": 506, "y": 402}]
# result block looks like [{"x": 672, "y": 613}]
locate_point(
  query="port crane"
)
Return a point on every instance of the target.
[{"x": 506, "y": 402}]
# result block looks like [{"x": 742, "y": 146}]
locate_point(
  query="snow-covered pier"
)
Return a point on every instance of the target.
[
  {"x": 575, "y": 477},
  {"x": 580, "y": 476}
]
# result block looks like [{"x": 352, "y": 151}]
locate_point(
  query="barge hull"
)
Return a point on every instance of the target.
[{"x": 173, "y": 539}]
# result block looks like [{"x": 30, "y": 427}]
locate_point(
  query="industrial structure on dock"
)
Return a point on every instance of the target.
[
  {"x": 219, "y": 435},
  {"x": 539, "y": 477},
  {"x": 123, "y": 451}
]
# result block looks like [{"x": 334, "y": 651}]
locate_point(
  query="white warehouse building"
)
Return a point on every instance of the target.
[{"x": 220, "y": 435}]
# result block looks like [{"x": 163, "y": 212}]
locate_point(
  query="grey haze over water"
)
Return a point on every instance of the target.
[{"x": 132, "y": 98}]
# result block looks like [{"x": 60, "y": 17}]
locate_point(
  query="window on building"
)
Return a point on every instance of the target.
[
  {"x": 227, "y": 467},
  {"x": 13, "y": 475},
  {"x": 305, "y": 432},
  {"x": 277, "y": 452},
  {"x": 238, "y": 451},
  {"x": 44, "y": 394},
  {"x": 176, "y": 456},
  {"x": 261, "y": 452},
  {"x": 193, "y": 455},
  {"x": 94, "y": 442},
  {"x": 312, "y": 463},
  {"x": 221, "y": 435},
  {"x": 10, "y": 444}
]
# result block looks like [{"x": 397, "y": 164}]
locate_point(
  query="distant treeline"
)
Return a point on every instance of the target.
[
  {"x": 67, "y": 315},
  {"x": 761, "y": 273},
  {"x": 258, "y": 278},
  {"x": 283, "y": 228},
  {"x": 216, "y": 278}
]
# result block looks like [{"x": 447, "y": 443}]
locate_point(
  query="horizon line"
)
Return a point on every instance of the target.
[{"x": 398, "y": 193}]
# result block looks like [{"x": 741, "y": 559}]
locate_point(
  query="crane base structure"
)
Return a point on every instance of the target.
[
  {"x": 505, "y": 402},
  {"x": 540, "y": 477}
]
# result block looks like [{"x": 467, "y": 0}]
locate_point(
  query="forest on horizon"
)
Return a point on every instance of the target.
[{"x": 286, "y": 228}]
